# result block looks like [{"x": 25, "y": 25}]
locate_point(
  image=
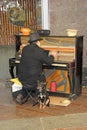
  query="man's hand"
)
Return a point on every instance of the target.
[{"x": 54, "y": 54}]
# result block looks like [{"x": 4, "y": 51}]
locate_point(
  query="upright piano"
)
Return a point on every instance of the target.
[{"x": 66, "y": 69}]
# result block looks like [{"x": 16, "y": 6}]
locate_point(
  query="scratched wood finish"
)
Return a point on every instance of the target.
[{"x": 7, "y": 29}]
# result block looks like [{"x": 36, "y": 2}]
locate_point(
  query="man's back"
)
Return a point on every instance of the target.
[{"x": 30, "y": 68}]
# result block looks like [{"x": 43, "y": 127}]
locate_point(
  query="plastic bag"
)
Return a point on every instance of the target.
[{"x": 16, "y": 87}]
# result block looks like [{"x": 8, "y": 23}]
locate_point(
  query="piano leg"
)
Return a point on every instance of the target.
[
  {"x": 12, "y": 65},
  {"x": 71, "y": 80},
  {"x": 11, "y": 70}
]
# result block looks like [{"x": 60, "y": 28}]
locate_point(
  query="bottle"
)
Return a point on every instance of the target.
[{"x": 53, "y": 86}]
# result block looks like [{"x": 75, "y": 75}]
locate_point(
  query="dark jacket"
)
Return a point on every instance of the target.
[{"x": 30, "y": 67}]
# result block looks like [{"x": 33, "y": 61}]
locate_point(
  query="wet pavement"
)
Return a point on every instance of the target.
[{"x": 72, "y": 117}]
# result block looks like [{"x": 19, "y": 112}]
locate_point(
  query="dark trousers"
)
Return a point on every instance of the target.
[{"x": 29, "y": 88}]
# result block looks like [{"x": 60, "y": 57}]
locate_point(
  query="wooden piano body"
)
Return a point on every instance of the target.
[{"x": 67, "y": 67}]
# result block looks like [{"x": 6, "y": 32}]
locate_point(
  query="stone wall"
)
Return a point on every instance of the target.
[
  {"x": 70, "y": 14},
  {"x": 6, "y": 52}
]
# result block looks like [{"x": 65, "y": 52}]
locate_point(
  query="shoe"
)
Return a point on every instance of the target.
[
  {"x": 25, "y": 100},
  {"x": 19, "y": 99}
]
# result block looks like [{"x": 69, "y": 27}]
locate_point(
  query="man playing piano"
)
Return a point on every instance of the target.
[{"x": 30, "y": 68}]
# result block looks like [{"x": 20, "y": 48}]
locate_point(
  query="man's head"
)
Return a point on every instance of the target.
[{"x": 34, "y": 37}]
